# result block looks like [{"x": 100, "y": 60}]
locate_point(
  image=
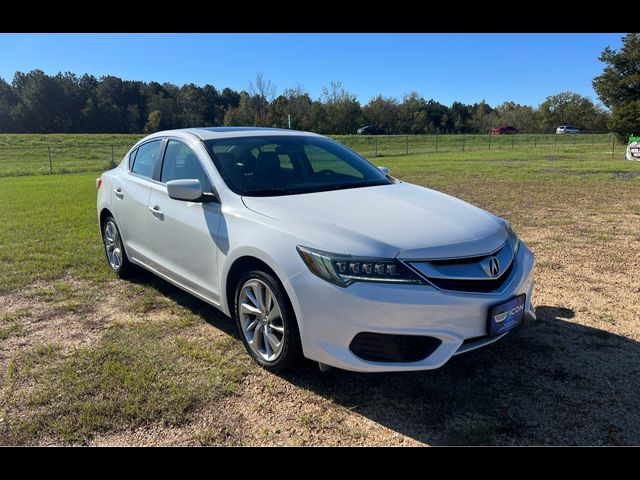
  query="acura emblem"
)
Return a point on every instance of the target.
[{"x": 494, "y": 267}]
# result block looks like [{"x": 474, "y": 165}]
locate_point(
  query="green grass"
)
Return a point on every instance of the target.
[
  {"x": 48, "y": 226},
  {"x": 133, "y": 376},
  {"x": 160, "y": 365},
  {"x": 10, "y": 325},
  {"x": 33, "y": 154},
  {"x": 10, "y": 329}
]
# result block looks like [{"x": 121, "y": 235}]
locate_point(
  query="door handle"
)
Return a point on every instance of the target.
[
  {"x": 118, "y": 193},
  {"x": 156, "y": 210}
]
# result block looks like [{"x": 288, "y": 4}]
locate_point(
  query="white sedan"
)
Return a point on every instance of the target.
[{"x": 313, "y": 250}]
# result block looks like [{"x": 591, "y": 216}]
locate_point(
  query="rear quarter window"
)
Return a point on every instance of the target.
[{"x": 132, "y": 157}]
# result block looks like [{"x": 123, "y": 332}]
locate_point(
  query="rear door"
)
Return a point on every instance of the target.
[
  {"x": 130, "y": 199},
  {"x": 184, "y": 234}
]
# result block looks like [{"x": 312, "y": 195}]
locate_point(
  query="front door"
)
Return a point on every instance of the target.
[{"x": 183, "y": 234}]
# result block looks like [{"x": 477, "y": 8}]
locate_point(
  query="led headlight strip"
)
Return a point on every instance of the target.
[{"x": 343, "y": 270}]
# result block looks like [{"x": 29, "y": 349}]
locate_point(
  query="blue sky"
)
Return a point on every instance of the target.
[{"x": 524, "y": 68}]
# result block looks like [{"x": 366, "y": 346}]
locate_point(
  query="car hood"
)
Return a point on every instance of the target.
[{"x": 401, "y": 219}]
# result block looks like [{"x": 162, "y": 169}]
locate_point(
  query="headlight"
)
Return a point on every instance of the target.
[
  {"x": 513, "y": 238},
  {"x": 343, "y": 270}
]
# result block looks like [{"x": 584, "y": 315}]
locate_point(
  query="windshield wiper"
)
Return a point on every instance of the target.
[
  {"x": 341, "y": 186},
  {"x": 264, "y": 192}
]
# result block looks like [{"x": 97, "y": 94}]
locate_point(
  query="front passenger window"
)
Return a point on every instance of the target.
[{"x": 180, "y": 162}]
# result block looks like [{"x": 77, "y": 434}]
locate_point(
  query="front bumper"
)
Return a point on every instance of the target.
[{"x": 330, "y": 316}]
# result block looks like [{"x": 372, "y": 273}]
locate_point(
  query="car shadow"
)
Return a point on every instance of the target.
[{"x": 549, "y": 382}]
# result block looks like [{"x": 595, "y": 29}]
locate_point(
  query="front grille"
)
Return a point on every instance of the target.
[
  {"x": 470, "y": 274},
  {"x": 380, "y": 347},
  {"x": 458, "y": 261},
  {"x": 481, "y": 286}
]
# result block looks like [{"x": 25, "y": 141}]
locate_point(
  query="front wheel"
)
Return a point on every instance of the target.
[{"x": 266, "y": 322}]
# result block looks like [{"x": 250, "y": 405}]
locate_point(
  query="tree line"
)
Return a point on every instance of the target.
[
  {"x": 35, "y": 102},
  {"x": 619, "y": 86}
]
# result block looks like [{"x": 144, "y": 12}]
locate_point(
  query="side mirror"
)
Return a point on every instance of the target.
[
  {"x": 188, "y": 190},
  {"x": 384, "y": 170}
]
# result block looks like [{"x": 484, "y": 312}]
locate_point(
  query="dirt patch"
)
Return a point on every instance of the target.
[
  {"x": 58, "y": 318},
  {"x": 572, "y": 172},
  {"x": 625, "y": 175}
]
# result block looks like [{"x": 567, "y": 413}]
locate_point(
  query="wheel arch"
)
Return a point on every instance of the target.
[
  {"x": 104, "y": 213},
  {"x": 237, "y": 268}
]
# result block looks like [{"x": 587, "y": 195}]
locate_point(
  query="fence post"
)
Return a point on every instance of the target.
[
  {"x": 613, "y": 147},
  {"x": 407, "y": 151},
  {"x": 50, "y": 164},
  {"x": 376, "y": 143},
  {"x": 489, "y": 141},
  {"x": 463, "y": 143},
  {"x": 535, "y": 140},
  {"x": 556, "y": 141},
  {"x": 575, "y": 137},
  {"x": 113, "y": 158},
  {"x": 513, "y": 142},
  {"x": 436, "y": 142}
]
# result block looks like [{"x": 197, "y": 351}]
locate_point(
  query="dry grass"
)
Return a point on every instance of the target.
[{"x": 142, "y": 363}]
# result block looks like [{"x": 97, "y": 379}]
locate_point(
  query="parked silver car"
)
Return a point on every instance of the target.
[{"x": 566, "y": 129}]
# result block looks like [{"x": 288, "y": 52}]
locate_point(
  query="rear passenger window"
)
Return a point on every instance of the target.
[{"x": 147, "y": 158}]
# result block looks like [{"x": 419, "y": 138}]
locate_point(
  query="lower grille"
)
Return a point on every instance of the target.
[{"x": 380, "y": 347}]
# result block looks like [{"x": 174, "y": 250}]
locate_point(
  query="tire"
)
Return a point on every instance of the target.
[
  {"x": 114, "y": 249},
  {"x": 255, "y": 329}
]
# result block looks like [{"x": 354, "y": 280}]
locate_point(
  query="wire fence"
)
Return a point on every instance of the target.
[
  {"x": 396, "y": 145},
  {"x": 45, "y": 159}
]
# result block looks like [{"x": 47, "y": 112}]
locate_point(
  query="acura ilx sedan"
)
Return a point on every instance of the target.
[{"x": 314, "y": 251}]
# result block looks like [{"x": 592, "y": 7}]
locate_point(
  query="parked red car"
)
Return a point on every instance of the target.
[{"x": 504, "y": 130}]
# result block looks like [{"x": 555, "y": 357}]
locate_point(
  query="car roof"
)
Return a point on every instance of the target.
[{"x": 211, "y": 133}]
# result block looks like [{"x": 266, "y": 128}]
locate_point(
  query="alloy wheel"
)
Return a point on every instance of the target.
[
  {"x": 113, "y": 245},
  {"x": 261, "y": 320}
]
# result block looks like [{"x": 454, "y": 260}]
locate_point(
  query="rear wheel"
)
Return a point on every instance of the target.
[
  {"x": 113, "y": 247},
  {"x": 266, "y": 322}
]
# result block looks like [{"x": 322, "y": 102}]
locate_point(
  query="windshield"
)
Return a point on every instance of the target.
[{"x": 289, "y": 165}]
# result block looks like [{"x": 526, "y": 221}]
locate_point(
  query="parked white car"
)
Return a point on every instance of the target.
[
  {"x": 566, "y": 129},
  {"x": 313, "y": 250}
]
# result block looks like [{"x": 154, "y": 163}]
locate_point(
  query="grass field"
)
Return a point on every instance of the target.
[
  {"x": 86, "y": 358},
  {"x": 67, "y": 153}
]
